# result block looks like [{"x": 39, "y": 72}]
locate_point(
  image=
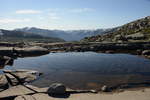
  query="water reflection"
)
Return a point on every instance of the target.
[{"x": 87, "y": 70}]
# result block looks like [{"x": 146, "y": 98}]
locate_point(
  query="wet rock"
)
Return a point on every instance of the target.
[{"x": 56, "y": 88}]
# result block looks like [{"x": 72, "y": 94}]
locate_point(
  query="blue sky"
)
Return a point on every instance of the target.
[{"x": 71, "y": 14}]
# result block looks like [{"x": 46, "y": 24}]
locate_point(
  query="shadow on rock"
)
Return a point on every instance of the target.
[{"x": 66, "y": 95}]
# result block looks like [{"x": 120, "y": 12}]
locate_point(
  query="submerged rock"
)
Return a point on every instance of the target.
[{"x": 56, "y": 88}]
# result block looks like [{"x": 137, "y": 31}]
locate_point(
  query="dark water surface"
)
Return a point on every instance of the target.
[{"x": 87, "y": 70}]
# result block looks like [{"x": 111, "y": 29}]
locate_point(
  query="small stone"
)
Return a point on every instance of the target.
[{"x": 105, "y": 89}]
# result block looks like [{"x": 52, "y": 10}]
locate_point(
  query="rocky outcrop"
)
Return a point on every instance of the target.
[
  {"x": 23, "y": 52},
  {"x": 138, "y": 30},
  {"x": 32, "y": 51},
  {"x": 21, "y": 76},
  {"x": 98, "y": 46},
  {"x": 17, "y": 77}
]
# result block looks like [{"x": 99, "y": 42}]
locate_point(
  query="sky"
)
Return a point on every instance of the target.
[{"x": 71, "y": 14}]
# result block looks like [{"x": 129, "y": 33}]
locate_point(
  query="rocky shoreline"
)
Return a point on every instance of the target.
[
  {"x": 136, "y": 48},
  {"x": 15, "y": 52},
  {"x": 37, "y": 49}
]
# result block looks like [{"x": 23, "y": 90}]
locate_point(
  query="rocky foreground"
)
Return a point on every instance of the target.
[
  {"x": 19, "y": 90},
  {"x": 35, "y": 93},
  {"x": 127, "y": 95}
]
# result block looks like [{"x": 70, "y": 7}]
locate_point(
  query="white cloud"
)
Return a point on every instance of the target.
[
  {"x": 53, "y": 16},
  {"x": 7, "y": 20},
  {"x": 28, "y": 12},
  {"x": 81, "y": 10}
]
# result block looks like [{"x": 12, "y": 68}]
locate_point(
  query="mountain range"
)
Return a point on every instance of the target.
[
  {"x": 69, "y": 35},
  {"x": 14, "y": 35}
]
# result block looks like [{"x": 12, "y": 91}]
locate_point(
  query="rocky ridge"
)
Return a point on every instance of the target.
[{"x": 136, "y": 31}]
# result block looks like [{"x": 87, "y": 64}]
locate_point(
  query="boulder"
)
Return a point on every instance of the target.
[{"x": 56, "y": 88}]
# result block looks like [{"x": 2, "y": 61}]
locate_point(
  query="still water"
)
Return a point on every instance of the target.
[{"x": 88, "y": 70}]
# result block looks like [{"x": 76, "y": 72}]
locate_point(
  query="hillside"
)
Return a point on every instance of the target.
[
  {"x": 136, "y": 31},
  {"x": 7, "y": 35},
  {"x": 70, "y": 35}
]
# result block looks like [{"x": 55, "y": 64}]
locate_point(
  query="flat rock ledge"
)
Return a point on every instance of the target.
[
  {"x": 23, "y": 52},
  {"x": 26, "y": 94}
]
